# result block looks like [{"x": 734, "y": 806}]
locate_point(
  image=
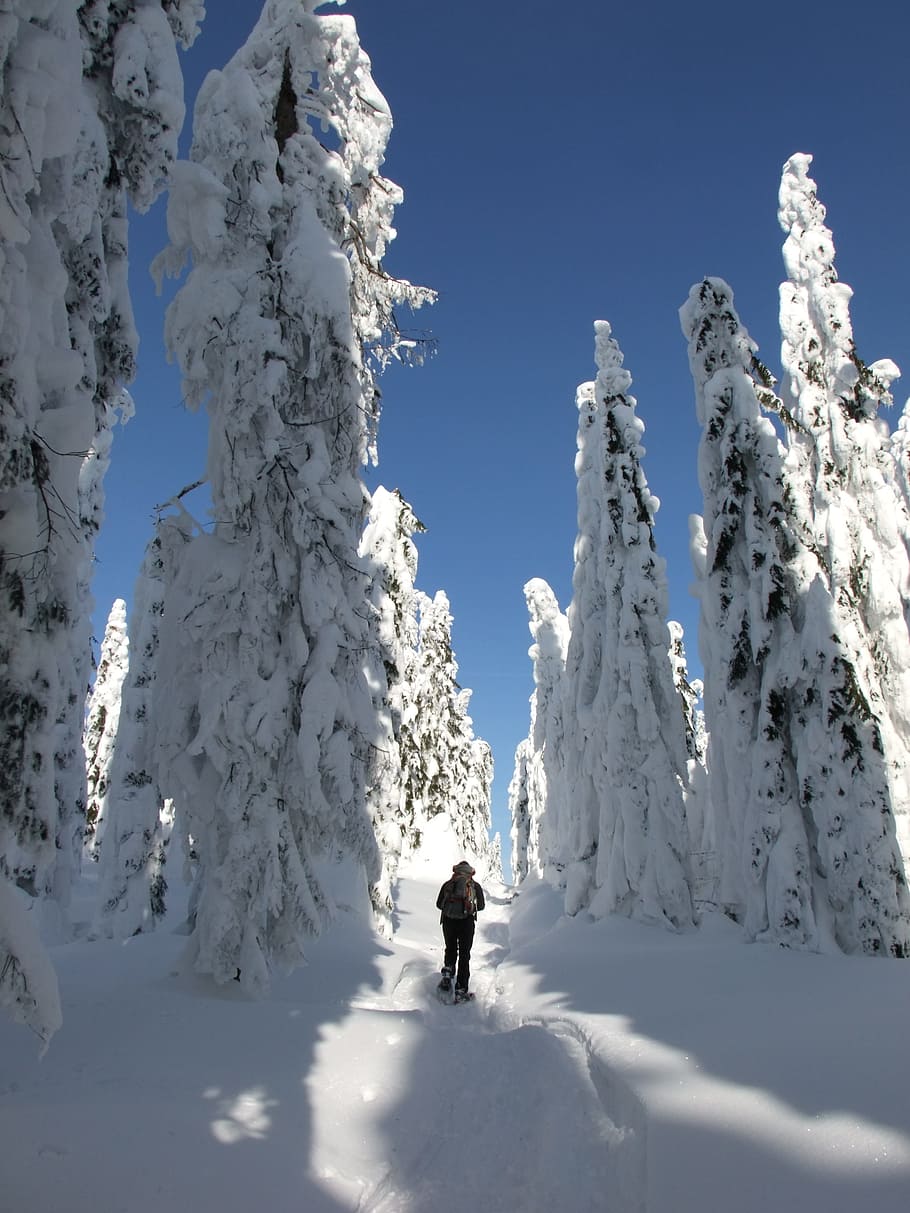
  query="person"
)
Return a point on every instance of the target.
[{"x": 459, "y": 901}]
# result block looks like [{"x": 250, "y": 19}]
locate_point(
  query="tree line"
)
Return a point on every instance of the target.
[
  {"x": 785, "y": 803},
  {"x": 289, "y": 707}
]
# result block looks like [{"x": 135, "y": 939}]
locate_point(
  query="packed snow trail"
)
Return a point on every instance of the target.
[
  {"x": 351, "y": 1089},
  {"x": 476, "y": 1102},
  {"x": 604, "y": 1066}
]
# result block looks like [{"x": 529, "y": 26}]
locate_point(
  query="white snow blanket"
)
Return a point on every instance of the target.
[{"x": 603, "y": 1066}]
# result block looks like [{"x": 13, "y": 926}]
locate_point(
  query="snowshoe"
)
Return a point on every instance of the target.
[
  {"x": 463, "y": 996},
  {"x": 446, "y": 982}
]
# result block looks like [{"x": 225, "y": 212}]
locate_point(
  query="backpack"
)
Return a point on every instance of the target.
[{"x": 460, "y": 900}]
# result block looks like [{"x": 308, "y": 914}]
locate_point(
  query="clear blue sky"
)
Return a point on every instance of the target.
[{"x": 563, "y": 164}]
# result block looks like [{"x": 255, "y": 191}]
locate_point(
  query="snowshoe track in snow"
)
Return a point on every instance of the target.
[{"x": 527, "y": 1103}]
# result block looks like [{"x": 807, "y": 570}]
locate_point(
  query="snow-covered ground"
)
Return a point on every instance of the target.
[{"x": 603, "y": 1066}]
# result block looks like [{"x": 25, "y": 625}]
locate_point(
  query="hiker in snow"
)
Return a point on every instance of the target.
[{"x": 459, "y": 899}]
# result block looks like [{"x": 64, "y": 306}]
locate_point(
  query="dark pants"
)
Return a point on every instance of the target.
[{"x": 459, "y": 935}]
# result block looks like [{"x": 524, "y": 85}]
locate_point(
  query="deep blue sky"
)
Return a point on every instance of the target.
[{"x": 563, "y": 164}]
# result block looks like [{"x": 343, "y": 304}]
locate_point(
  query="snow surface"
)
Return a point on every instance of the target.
[{"x": 603, "y": 1066}]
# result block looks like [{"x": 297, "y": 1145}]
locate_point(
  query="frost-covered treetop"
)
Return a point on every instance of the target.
[
  {"x": 116, "y": 624},
  {"x": 809, "y": 247},
  {"x": 612, "y": 377},
  {"x": 716, "y": 338},
  {"x": 816, "y": 331},
  {"x": 284, "y": 175},
  {"x": 624, "y": 427},
  {"x": 548, "y": 624}
]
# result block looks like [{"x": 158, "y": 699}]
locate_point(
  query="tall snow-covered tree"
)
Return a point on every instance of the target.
[
  {"x": 285, "y": 217},
  {"x": 699, "y": 806},
  {"x": 544, "y": 847},
  {"x": 520, "y": 812},
  {"x": 689, "y": 693},
  {"x": 390, "y": 556},
  {"x": 447, "y": 770},
  {"x": 857, "y": 654},
  {"x": 46, "y": 419},
  {"x": 90, "y": 109},
  {"x": 472, "y": 825},
  {"x": 411, "y": 670},
  {"x": 751, "y": 572},
  {"x": 625, "y": 740},
  {"x": 102, "y": 719},
  {"x": 103, "y": 707},
  {"x": 136, "y": 819},
  {"x": 586, "y": 616}
]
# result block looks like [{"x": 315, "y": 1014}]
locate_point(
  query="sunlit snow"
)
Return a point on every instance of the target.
[{"x": 604, "y": 1066}]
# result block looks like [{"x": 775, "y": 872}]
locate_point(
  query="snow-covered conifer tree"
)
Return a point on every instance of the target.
[
  {"x": 689, "y": 694},
  {"x": 494, "y": 846},
  {"x": 103, "y": 708},
  {"x": 855, "y": 776},
  {"x": 273, "y": 327},
  {"x": 472, "y": 827},
  {"x": 446, "y": 769},
  {"x": 390, "y": 556},
  {"x": 136, "y": 819},
  {"x": 46, "y": 419},
  {"x": 583, "y": 652},
  {"x": 750, "y": 575},
  {"x": 102, "y": 719},
  {"x": 520, "y": 812},
  {"x": 544, "y": 781},
  {"x": 625, "y": 741},
  {"x": 699, "y": 807},
  {"x": 841, "y": 458},
  {"x": 90, "y": 109}
]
